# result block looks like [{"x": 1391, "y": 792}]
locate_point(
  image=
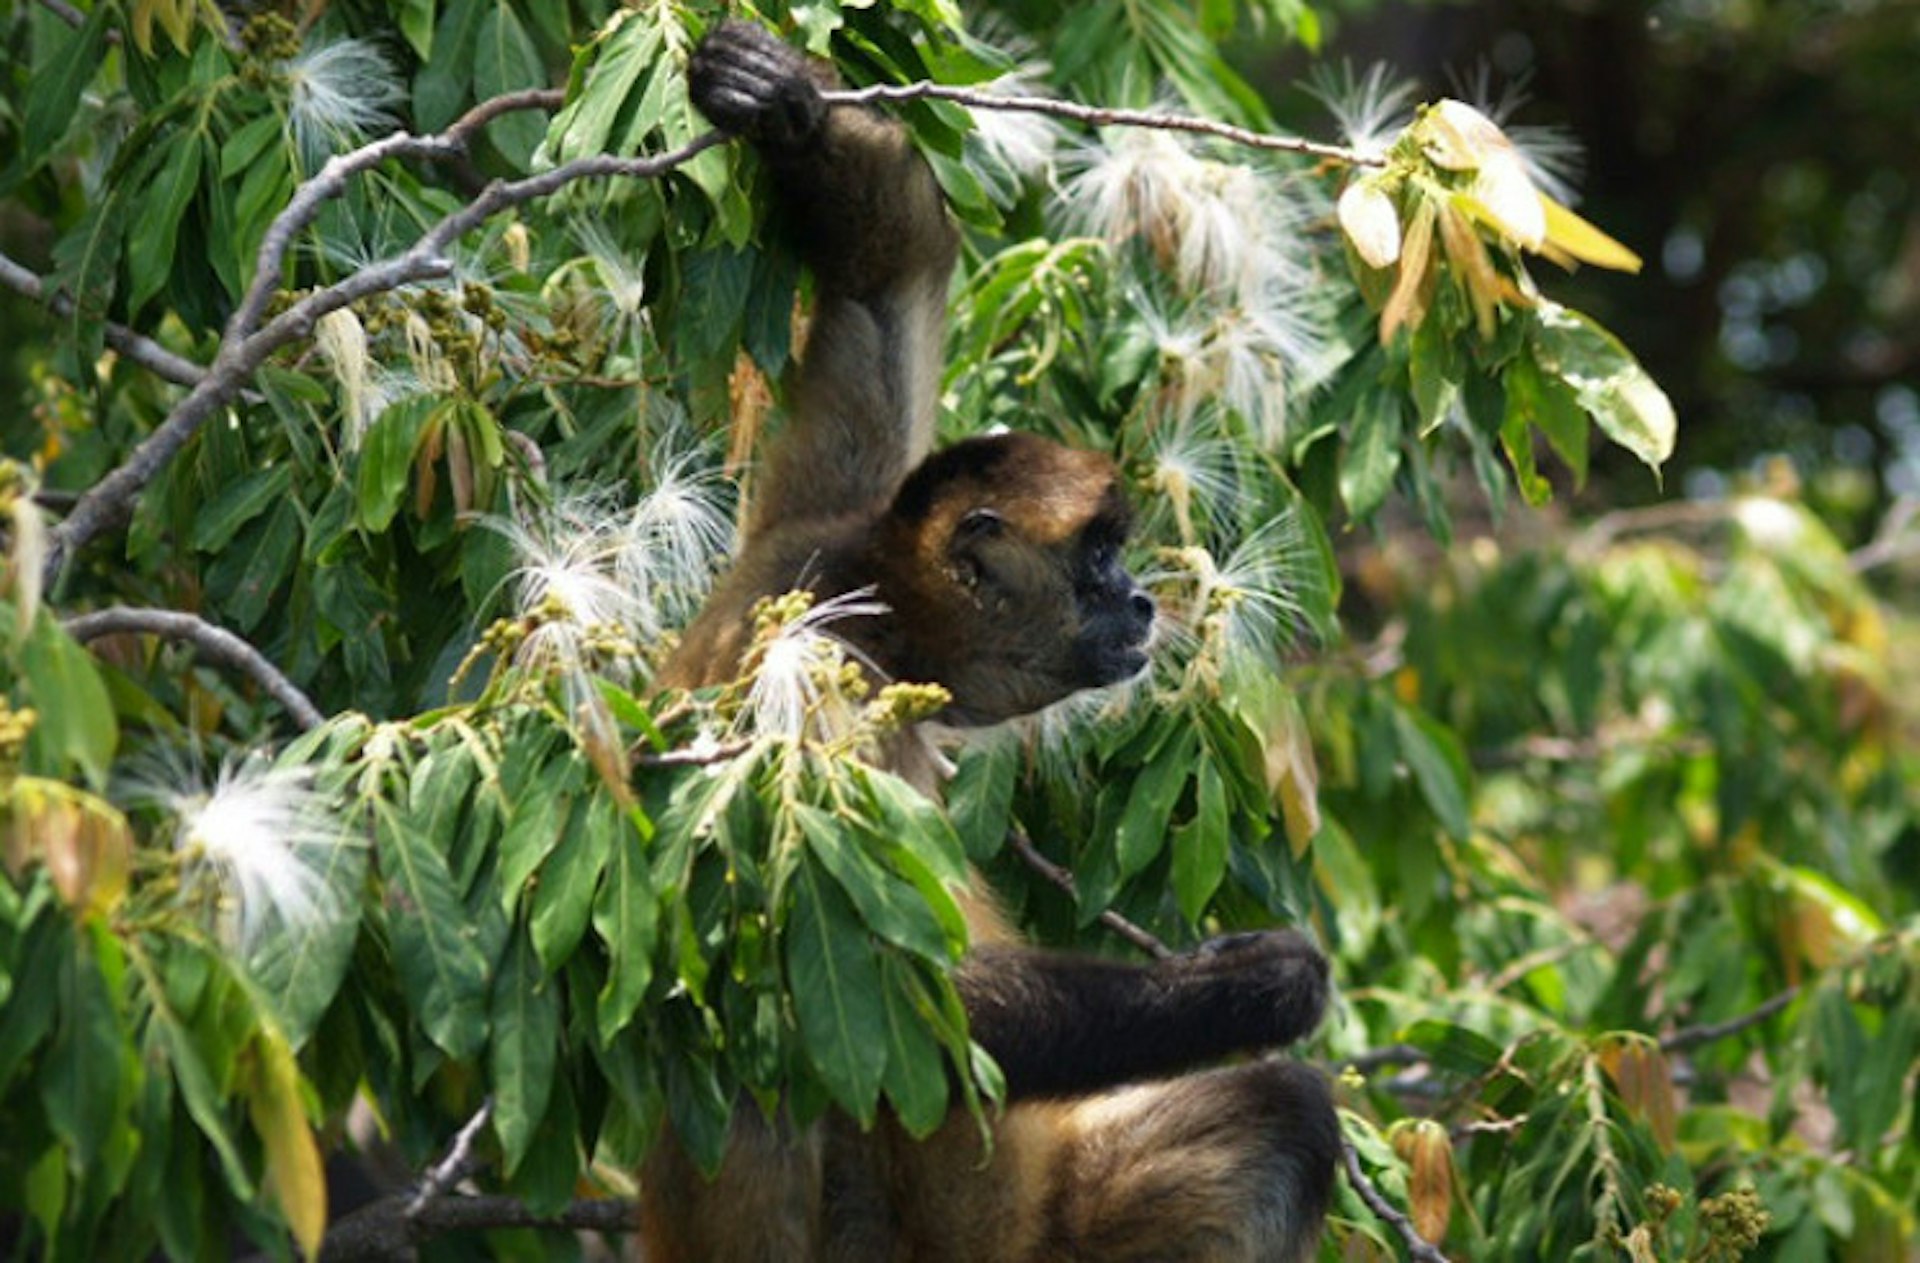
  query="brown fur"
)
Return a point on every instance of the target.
[{"x": 983, "y": 554}]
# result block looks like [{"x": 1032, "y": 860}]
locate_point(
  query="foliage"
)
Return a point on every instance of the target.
[{"x": 464, "y": 514}]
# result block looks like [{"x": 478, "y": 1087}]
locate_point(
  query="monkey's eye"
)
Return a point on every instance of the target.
[{"x": 979, "y": 524}]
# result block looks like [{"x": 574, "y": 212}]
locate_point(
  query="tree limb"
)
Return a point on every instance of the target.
[
  {"x": 1143, "y": 939},
  {"x": 141, "y": 350},
  {"x": 382, "y": 1230},
  {"x": 1418, "y": 1247},
  {"x": 216, "y": 644},
  {"x": 456, "y": 1166},
  {"x": 1101, "y": 116},
  {"x": 1693, "y": 1036}
]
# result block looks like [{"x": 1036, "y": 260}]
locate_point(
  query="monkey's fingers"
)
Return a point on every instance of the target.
[{"x": 749, "y": 83}]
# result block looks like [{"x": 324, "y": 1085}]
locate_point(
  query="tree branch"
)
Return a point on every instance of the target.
[
  {"x": 1100, "y": 116},
  {"x": 382, "y": 1231},
  {"x": 1145, "y": 940},
  {"x": 1693, "y": 1036},
  {"x": 1418, "y": 1247},
  {"x": 216, "y": 644},
  {"x": 456, "y": 1166},
  {"x": 141, "y": 350}
]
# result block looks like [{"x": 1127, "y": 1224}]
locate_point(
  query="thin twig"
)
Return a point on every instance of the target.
[
  {"x": 1418, "y": 1247},
  {"x": 1381, "y": 1058},
  {"x": 216, "y": 644},
  {"x": 1102, "y": 116},
  {"x": 456, "y": 1166},
  {"x": 1539, "y": 958},
  {"x": 1145, "y": 940},
  {"x": 141, "y": 350},
  {"x": 693, "y": 756},
  {"x": 65, "y": 12},
  {"x": 1693, "y": 1036}
]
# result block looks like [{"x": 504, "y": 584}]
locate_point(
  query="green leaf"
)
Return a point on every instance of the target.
[
  {"x": 980, "y": 795},
  {"x": 584, "y": 127},
  {"x": 238, "y": 503},
  {"x": 1200, "y": 846},
  {"x": 1436, "y": 370},
  {"x": 1439, "y": 768},
  {"x": 415, "y": 20},
  {"x": 916, "y": 1079},
  {"x": 1156, "y": 791},
  {"x": 835, "y": 985},
  {"x": 440, "y": 89},
  {"x": 1453, "y": 1047},
  {"x": 76, "y": 724},
  {"x": 205, "y": 1102},
  {"x": 155, "y": 234},
  {"x": 299, "y": 969},
  {"x": 537, "y": 820},
  {"x": 915, "y": 824},
  {"x": 563, "y": 899},
  {"x": 524, "y": 1049},
  {"x": 386, "y": 458},
  {"x": 29, "y": 1011},
  {"x": 1545, "y": 402},
  {"x": 247, "y": 576},
  {"x": 890, "y": 907},
  {"x": 505, "y": 61},
  {"x": 626, "y": 916},
  {"x": 1606, "y": 381},
  {"x": 1373, "y": 451},
  {"x": 54, "y": 102},
  {"x": 240, "y": 149},
  {"x": 83, "y": 1085},
  {"x": 442, "y": 972}
]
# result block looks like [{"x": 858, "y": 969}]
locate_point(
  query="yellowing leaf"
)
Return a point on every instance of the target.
[
  {"x": 1585, "y": 242},
  {"x": 1471, "y": 264},
  {"x": 1405, "y": 306},
  {"x": 294, "y": 1171},
  {"x": 1368, "y": 217},
  {"x": 83, "y": 842},
  {"x": 1506, "y": 195},
  {"x": 1428, "y": 1152}
]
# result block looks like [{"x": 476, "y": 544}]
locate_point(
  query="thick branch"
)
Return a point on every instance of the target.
[
  {"x": 143, "y": 351},
  {"x": 383, "y": 1231},
  {"x": 216, "y": 644}
]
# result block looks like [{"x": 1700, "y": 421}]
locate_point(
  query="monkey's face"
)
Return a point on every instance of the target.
[{"x": 1021, "y": 597}]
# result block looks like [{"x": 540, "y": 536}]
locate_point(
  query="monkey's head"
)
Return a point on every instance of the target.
[{"x": 1000, "y": 558}]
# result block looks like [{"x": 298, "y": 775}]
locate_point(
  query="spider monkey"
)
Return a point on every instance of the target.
[{"x": 998, "y": 560}]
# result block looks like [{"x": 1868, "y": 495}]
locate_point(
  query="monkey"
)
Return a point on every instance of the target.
[{"x": 998, "y": 563}]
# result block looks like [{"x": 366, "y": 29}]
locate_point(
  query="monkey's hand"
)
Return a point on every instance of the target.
[
  {"x": 749, "y": 83},
  {"x": 1271, "y": 985}
]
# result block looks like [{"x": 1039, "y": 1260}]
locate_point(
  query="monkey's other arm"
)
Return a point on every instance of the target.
[
  {"x": 863, "y": 211},
  {"x": 1063, "y": 1025}
]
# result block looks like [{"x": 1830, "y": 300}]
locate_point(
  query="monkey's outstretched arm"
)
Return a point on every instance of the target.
[
  {"x": 867, "y": 217},
  {"x": 1062, "y": 1025}
]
